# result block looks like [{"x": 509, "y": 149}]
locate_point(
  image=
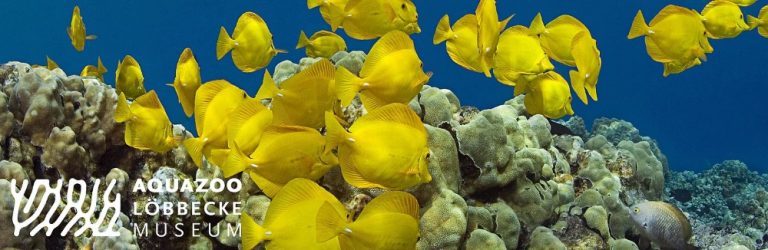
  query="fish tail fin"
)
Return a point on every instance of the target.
[
  {"x": 236, "y": 162},
  {"x": 443, "y": 31},
  {"x": 223, "y": 44},
  {"x": 101, "y": 67},
  {"x": 329, "y": 223},
  {"x": 537, "y": 25},
  {"x": 194, "y": 147},
  {"x": 577, "y": 82},
  {"x": 303, "y": 40},
  {"x": 311, "y": 4},
  {"x": 268, "y": 87},
  {"x": 123, "y": 111},
  {"x": 253, "y": 234},
  {"x": 752, "y": 21},
  {"x": 639, "y": 27},
  {"x": 336, "y": 16},
  {"x": 335, "y": 134},
  {"x": 347, "y": 85}
]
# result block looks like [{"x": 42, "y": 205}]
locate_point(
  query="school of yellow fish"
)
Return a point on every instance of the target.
[{"x": 287, "y": 137}]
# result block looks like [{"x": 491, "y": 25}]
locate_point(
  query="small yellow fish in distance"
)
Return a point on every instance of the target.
[
  {"x": 291, "y": 219},
  {"x": 284, "y": 153},
  {"x": 325, "y": 7},
  {"x": 389, "y": 221},
  {"x": 588, "y": 62},
  {"x": 128, "y": 78},
  {"x": 557, "y": 36},
  {"x": 245, "y": 128},
  {"x": 251, "y": 43},
  {"x": 519, "y": 55},
  {"x": 392, "y": 72},
  {"x": 488, "y": 31},
  {"x": 215, "y": 102},
  {"x": 460, "y": 41},
  {"x": 370, "y": 19},
  {"x": 147, "y": 125},
  {"x": 386, "y": 148},
  {"x": 663, "y": 224},
  {"x": 94, "y": 71},
  {"x": 50, "y": 64},
  {"x": 187, "y": 81},
  {"x": 76, "y": 31},
  {"x": 743, "y": 3},
  {"x": 303, "y": 98},
  {"x": 676, "y": 34},
  {"x": 723, "y": 19},
  {"x": 322, "y": 44},
  {"x": 548, "y": 95},
  {"x": 760, "y": 22}
]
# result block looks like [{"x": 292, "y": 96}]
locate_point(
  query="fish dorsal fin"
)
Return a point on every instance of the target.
[
  {"x": 395, "y": 112},
  {"x": 274, "y": 131},
  {"x": 503, "y": 23},
  {"x": 295, "y": 191},
  {"x": 391, "y": 42},
  {"x": 247, "y": 109},
  {"x": 242, "y": 22},
  {"x": 716, "y": 3},
  {"x": 567, "y": 20},
  {"x": 671, "y": 10},
  {"x": 537, "y": 25},
  {"x": 130, "y": 61},
  {"x": 763, "y": 13},
  {"x": 321, "y": 71},
  {"x": 268, "y": 87},
  {"x": 204, "y": 96},
  {"x": 393, "y": 202},
  {"x": 149, "y": 100}
]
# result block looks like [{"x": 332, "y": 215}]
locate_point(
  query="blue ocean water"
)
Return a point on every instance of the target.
[{"x": 713, "y": 112}]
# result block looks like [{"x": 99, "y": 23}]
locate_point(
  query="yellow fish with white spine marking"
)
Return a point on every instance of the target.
[
  {"x": 676, "y": 35},
  {"x": 588, "y": 62},
  {"x": 214, "y": 103},
  {"x": 519, "y": 55},
  {"x": 386, "y": 148},
  {"x": 283, "y": 154},
  {"x": 325, "y": 7},
  {"x": 548, "y": 94},
  {"x": 557, "y": 36},
  {"x": 76, "y": 31},
  {"x": 460, "y": 41},
  {"x": 723, "y": 19},
  {"x": 128, "y": 78},
  {"x": 369, "y": 19},
  {"x": 291, "y": 219},
  {"x": 322, "y": 44},
  {"x": 147, "y": 125},
  {"x": 251, "y": 43},
  {"x": 94, "y": 71},
  {"x": 389, "y": 221},
  {"x": 489, "y": 28},
  {"x": 187, "y": 81},
  {"x": 303, "y": 97},
  {"x": 760, "y": 22},
  {"x": 392, "y": 72}
]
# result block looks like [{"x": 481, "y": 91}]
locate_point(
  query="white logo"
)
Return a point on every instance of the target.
[{"x": 72, "y": 204}]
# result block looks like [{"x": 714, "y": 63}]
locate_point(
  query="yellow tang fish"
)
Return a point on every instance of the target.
[
  {"x": 548, "y": 95},
  {"x": 723, "y": 19},
  {"x": 386, "y": 148},
  {"x": 519, "y": 55},
  {"x": 147, "y": 125},
  {"x": 392, "y": 72},
  {"x": 249, "y": 121},
  {"x": 389, "y": 221},
  {"x": 557, "y": 36},
  {"x": 369, "y": 19},
  {"x": 187, "y": 81},
  {"x": 76, "y": 31},
  {"x": 128, "y": 78},
  {"x": 676, "y": 35},
  {"x": 251, "y": 43},
  {"x": 743, "y": 3},
  {"x": 488, "y": 31},
  {"x": 760, "y": 22},
  {"x": 460, "y": 41},
  {"x": 588, "y": 62},
  {"x": 303, "y": 98},
  {"x": 51, "y": 65},
  {"x": 663, "y": 224},
  {"x": 325, "y": 7},
  {"x": 291, "y": 218},
  {"x": 284, "y": 153},
  {"x": 321, "y": 44},
  {"x": 94, "y": 71},
  {"x": 214, "y": 103}
]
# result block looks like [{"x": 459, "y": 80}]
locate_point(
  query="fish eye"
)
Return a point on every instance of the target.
[
  {"x": 402, "y": 6},
  {"x": 245, "y": 95},
  {"x": 637, "y": 210}
]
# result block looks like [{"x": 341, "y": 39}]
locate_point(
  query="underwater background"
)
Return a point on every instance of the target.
[{"x": 710, "y": 113}]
